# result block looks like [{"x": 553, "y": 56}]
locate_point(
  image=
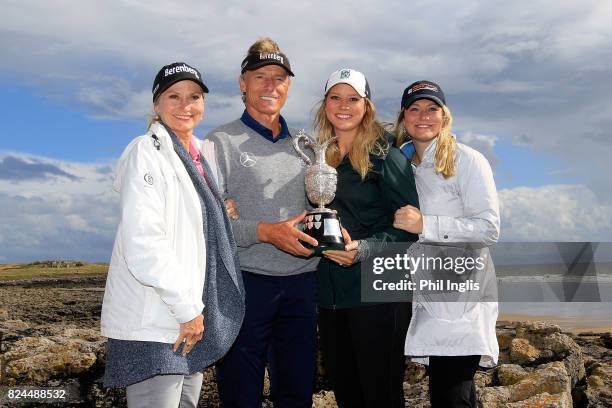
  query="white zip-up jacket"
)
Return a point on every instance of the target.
[
  {"x": 157, "y": 270},
  {"x": 461, "y": 209}
]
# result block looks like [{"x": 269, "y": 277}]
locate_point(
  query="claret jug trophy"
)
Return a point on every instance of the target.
[{"x": 322, "y": 223}]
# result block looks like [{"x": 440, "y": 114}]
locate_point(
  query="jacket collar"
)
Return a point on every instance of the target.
[{"x": 430, "y": 151}]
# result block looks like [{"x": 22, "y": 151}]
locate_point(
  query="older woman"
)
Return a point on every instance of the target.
[
  {"x": 362, "y": 342},
  {"x": 173, "y": 302},
  {"x": 459, "y": 206}
]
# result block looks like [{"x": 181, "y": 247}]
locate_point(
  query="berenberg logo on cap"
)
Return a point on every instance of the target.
[
  {"x": 418, "y": 87},
  {"x": 181, "y": 68},
  {"x": 345, "y": 73},
  {"x": 269, "y": 55}
]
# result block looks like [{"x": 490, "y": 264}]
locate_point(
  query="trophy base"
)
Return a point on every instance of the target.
[{"x": 324, "y": 226}]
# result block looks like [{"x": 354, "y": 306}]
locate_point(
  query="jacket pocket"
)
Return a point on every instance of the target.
[{"x": 156, "y": 313}]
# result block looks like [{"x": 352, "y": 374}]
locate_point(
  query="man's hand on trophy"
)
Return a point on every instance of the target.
[
  {"x": 285, "y": 236},
  {"x": 346, "y": 257},
  {"x": 231, "y": 208}
]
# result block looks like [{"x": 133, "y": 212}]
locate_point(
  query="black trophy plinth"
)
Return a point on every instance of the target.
[{"x": 324, "y": 226}]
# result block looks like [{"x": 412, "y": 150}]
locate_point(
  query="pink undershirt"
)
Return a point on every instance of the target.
[{"x": 195, "y": 155}]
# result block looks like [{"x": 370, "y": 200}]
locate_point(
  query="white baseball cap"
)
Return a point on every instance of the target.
[{"x": 351, "y": 77}]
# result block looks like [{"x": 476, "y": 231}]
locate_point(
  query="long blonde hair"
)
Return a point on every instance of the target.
[
  {"x": 370, "y": 139},
  {"x": 446, "y": 145}
]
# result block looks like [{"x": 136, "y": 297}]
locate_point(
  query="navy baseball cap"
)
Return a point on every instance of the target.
[
  {"x": 173, "y": 73},
  {"x": 423, "y": 90}
]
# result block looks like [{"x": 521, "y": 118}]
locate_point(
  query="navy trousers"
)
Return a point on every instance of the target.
[{"x": 280, "y": 328}]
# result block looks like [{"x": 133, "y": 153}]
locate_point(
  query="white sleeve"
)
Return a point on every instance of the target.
[
  {"x": 148, "y": 252},
  {"x": 480, "y": 224}
]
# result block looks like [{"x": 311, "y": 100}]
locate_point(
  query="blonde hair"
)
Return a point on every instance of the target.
[
  {"x": 263, "y": 44},
  {"x": 446, "y": 145},
  {"x": 151, "y": 119},
  {"x": 370, "y": 139}
]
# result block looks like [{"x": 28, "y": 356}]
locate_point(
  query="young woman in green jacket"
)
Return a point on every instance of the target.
[{"x": 362, "y": 342}]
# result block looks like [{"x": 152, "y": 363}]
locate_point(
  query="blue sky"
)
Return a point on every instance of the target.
[{"x": 528, "y": 85}]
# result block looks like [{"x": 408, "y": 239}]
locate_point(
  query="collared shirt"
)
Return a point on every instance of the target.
[
  {"x": 248, "y": 120},
  {"x": 195, "y": 156}
]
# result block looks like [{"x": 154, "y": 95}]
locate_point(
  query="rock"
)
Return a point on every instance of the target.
[
  {"x": 607, "y": 340},
  {"x": 266, "y": 383},
  {"x": 504, "y": 338},
  {"x": 551, "y": 378},
  {"x": 324, "y": 399},
  {"x": 562, "y": 400},
  {"x": 508, "y": 374},
  {"x": 542, "y": 329},
  {"x": 4, "y": 314},
  {"x": 574, "y": 365},
  {"x": 209, "y": 396},
  {"x": 484, "y": 378},
  {"x": 554, "y": 346},
  {"x": 14, "y": 325},
  {"x": 417, "y": 395},
  {"x": 599, "y": 385},
  {"x": 493, "y": 397},
  {"x": 522, "y": 352},
  {"x": 100, "y": 397},
  {"x": 559, "y": 343},
  {"x": 414, "y": 373},
  {"x": 36, "y": 360}
]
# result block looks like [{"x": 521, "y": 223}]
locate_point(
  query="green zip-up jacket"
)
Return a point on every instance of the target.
[{"x": 366, "y": 208}]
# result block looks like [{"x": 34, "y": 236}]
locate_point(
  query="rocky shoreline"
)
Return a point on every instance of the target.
[{"x": 49, "y": 336}]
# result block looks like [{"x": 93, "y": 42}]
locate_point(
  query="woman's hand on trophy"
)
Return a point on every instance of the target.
[
  {"x": 285, "y": 236},
  {"x": 343, "y": 258},
  {"x": 231, "y": 208},
  {"x": 346, "y": 257}
]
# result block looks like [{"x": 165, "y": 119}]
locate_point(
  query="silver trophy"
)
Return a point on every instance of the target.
[{"x": 322, "y": 223}]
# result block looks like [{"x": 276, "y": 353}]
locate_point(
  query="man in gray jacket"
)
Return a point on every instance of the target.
[{"x": 261, "y": 172}]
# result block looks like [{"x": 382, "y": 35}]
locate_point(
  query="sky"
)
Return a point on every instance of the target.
[{"x": 527, "y": 83}]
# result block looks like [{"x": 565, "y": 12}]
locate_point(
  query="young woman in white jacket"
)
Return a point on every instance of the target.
[{"x": 458, "y": 204}]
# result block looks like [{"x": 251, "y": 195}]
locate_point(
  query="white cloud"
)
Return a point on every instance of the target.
[
  {"x": 58, "y": 217},
  {"x": 77, "y": 218},
  {"x": 485, "y": 144},
  {"x": 554, "y": 213}
]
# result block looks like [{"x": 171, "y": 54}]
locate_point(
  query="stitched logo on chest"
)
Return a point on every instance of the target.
[{"x": 247, "y": 159}]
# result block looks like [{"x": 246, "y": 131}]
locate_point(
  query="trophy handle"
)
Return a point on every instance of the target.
[{"x": 307, "y": 142}]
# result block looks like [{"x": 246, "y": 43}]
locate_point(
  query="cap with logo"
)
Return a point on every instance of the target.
[
  {"x": 423, "y": 90},
  {"x": 351, "y": 77},
  {"x": 257, "y": 60},
  {"x": 173, "y": 73}
]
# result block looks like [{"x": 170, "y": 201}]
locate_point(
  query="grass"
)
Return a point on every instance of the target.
[{"x": 29, "y": 271}]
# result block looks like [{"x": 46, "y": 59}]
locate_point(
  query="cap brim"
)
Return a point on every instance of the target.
[
  {"x": 268, "y": 62},
  {"x": 169, "y": 84},
  {"x": 330, "y": 86},
  {"x": 432, "y": 98}
]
